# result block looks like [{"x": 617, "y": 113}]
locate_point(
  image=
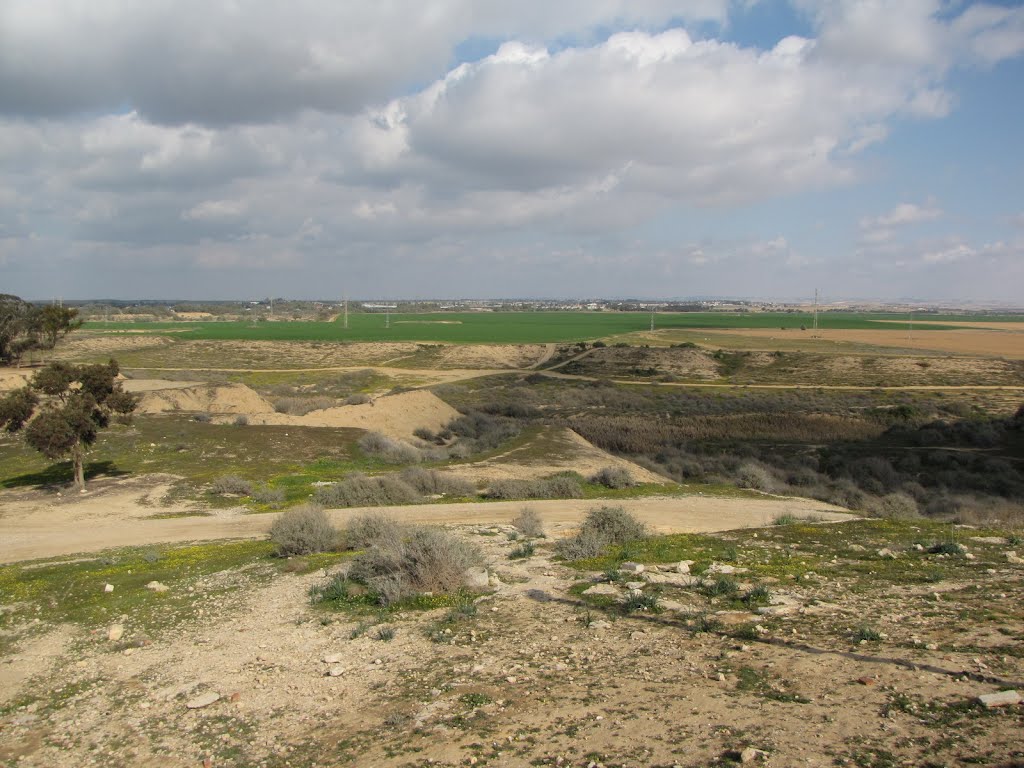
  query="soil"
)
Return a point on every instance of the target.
[
  {"x": 135, "y": 512},
  {"x": 531, "y": 677}
]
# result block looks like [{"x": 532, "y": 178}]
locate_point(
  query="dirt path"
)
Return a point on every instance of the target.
[
  {"x": 549, "y": 352},
  {"x": 37, "y": 525}
]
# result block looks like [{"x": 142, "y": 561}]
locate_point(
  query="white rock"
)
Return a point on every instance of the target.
[
  {"x": 156, "y": 586},
  {"x": 203, "y": 700},
  {"x": 108, "y": 588},
  {"x": 1001, "y": 699},
  {"x": 477, "y": 578},
  {"x": 600, "y": 624},
  {"x": 683, "y": 567},
  {"x": 886, "y": 552},
  {"x": 335, "y": 671},
  {"x": 334, "y": 658},
  {"x": 115, "y": 633},
  {"x": 675, "y": 579},
  {"x": 630, "y": 567},
  {"x": 602, "y": 589},
  {"x": 635, "y": 585}
]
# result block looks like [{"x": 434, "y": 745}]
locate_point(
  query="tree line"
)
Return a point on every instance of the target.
[{"x": 26, "y": 327}]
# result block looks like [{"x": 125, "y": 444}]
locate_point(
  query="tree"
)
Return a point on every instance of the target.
[
  {"x": 25, "y": 327},
  {"x": 63, "y": 409}
]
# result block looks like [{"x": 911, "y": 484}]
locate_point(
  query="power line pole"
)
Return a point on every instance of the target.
[
  {"x": 346, "y": 315},
  {"x": 271, "y": 307},
  {"x": 652, "y": 319},
  {"x": 387, "y": 318},
  {"x": 815, "y": 310}
]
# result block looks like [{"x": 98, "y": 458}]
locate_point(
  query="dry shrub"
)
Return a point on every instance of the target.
[
  {"x": 433, "y": 483},
  {"x": 557, "y": 487},
  {"x": 529, "y": 524},
  {"x": 264, "y": 494},
  {"x": 303, "y": 531},
  {"x": 389, "y": 449},
  {"x": 423, "y": 560},
  {"x": 231, "y": 485},
  {"x": 602, "y": 528},
  {"x": 300, "y": 406},
  {"x": 613, "y": 477},
  {"x": 357, "y": 399},
  {"x": 364, "y": 531},
  {"x": 359, "y": 490},
  {"x": 755, "y": 476}
]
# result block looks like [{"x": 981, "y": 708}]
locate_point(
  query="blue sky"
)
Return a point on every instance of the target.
[{"x": 758, "y": 148}]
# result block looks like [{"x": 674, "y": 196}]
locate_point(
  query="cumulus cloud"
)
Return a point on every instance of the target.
[{"x": 200, "y": 132}]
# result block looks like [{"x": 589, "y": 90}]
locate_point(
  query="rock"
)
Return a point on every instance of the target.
[
  {"x": 887, "y": 553},
  {"x": 684, "y": 566},
  {"x": 602, "y": 589},
  {"x": 108, "y": 588},
  {"x": 235, "y": 696},
  {"x": 988, "y": 539},
  {"x": 867, "y": 681},
  {"x": 931, "y": 646},
  {"x": 629, "y": 567},
  {"x": 675, "y": 579},
  {"x": 778, "y": 610},
  {"x": 751, "y": 755},
  {"x": 335, "y": 670},
  {"x": 477, "y": 578},
  {"x": 635, "y": 592},
  {"x": 600, "y": 624},
  {"x": 115, "y": 633},
  {"x": 1011, "y": 557},
  {"x": 156, "y": 586},
  {"x": 1001, "y": 699},
  {"x": 635, "y": 586},
  {"x": 333, "y": 658},
  {"x": 724, "y": 569},
  {"x": 203, "y": 700},
  {"x": 857, "y": 548}
]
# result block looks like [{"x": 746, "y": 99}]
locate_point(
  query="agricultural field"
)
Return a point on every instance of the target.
[
  {"x": 717, "y": 542},
  {"x": 522, "y": 327}
]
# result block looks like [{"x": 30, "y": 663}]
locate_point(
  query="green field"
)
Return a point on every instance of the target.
[{"x": 515, "y": 327}]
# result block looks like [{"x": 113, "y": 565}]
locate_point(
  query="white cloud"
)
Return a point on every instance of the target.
[{"x": 902, "y": 215}]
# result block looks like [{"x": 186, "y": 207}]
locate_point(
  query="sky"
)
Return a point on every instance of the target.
[{"x": 237, "y": 149}]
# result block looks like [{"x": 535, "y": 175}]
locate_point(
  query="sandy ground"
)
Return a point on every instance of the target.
[
  {"x": 969, "y": 341},
  {"x": 565, "y": 451},
  {"x": 131, "y": 513},
  {"x": 532, "y": 678}
]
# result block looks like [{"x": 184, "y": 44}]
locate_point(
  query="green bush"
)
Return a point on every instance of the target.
[{"x": 303, "y": 531}]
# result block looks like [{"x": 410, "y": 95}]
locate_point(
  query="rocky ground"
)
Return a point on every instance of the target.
[{"x": 868, "y": 644}]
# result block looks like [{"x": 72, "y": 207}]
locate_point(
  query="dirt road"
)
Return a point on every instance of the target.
[{"x": 37, "y": 525}]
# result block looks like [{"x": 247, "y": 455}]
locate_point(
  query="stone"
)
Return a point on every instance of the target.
[
  {"x": 335, "y": 670},
  {"x": 602, "y": 589},
  {"x": 477, "y": 578},
  {"x": 156, "y": 586},
  {"x": 751, "y": 755},
  {"x": 115, "y": 633},
  {"x": 630, "y": 567},
  {"x": 683, "y": 566},
  {"x": 675, "y": 579},
  {"x": 600, "y": 624},
  {"x": 886, "y": 553},
  {"x": 867, "y": 681},
  {"x": 635, "y": 586},
  {"x": 108, "y": 588},
  {"x": 203, "y": 700},
  {"x": 333, "y": 658},
  {"x": 1001, "y": 699},
  {"x": 235, "y": 696}
]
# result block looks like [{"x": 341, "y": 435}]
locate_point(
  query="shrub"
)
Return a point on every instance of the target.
[
  {"x": 241, "y": 420},
  {"x": 523, "y": 551},
  {"x": 231, "y": 485},
  {"x": 264, "y": 494},
  {"x": 613, "y": 477},
  {"x": 300, "y": 406},
  {"x": 603, "y": 527},
  {"x": 202, "y": 418},
  {"x": 389, "y": 449},
  {"x": 723, "y": 586},
  {"x": 557, "y": 487},
  {"x": 641, "y": 602},
  {"x": 365, "y": 531},
  {"x": 755, "y": 476},
  {"x": 528, "y": 523},
  {"x": 303, "y": 531},
  {"x": 423, "y": 433},
  {"x": 433, "y": 483},
  {"x": 359, "y": 490},
  {"x": 426, "y": 560},
  {"x": 898, "y": 506},
  {"x": 357, "y": 399}
]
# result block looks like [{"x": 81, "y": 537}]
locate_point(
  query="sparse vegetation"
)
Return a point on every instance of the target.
[
  {"x": 613, "y": 477},
  {"x": 231, "y": 485},
  {"x": 303, "y": 530},
  {"x": 529, "y": 524},
  {"x": 603, "y": 527}
]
